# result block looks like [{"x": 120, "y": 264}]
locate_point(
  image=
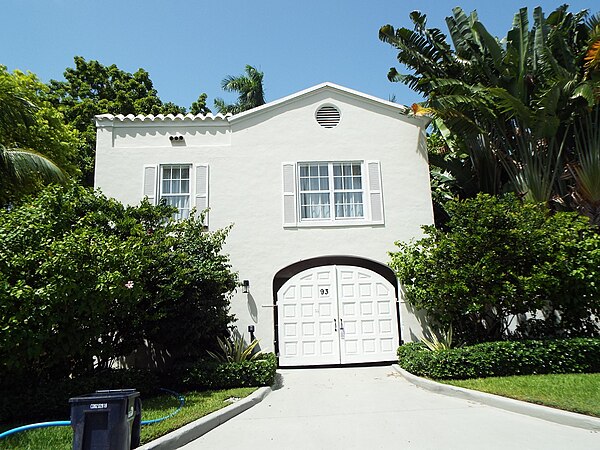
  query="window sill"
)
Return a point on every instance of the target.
[{"x": 334, "y": 224}]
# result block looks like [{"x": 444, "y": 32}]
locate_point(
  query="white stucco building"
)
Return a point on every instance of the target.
[{"x": 318, "y": 186}]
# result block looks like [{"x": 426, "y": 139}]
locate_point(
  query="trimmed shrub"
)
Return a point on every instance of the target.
[
  {"x": 500, "y": 258},
  {"x": 50, "y": 401},
  {"x": 504, "y": 358},
  {"x": 84, "y": 280},
  {"x": 210, "y": 374}
]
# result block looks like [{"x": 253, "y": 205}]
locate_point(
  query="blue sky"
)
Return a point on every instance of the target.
[{"x": 189, "y": 46}]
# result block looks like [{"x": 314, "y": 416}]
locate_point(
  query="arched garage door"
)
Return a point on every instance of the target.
[{"x": 336, "y": 315}]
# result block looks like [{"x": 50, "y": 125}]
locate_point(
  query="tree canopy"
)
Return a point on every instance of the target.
[
  {"x": 35, "y": 144},
  {"x": 91, "y": 88}
]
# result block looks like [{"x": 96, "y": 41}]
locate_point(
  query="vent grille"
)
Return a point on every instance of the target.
[{"x": 328, "y": 116}]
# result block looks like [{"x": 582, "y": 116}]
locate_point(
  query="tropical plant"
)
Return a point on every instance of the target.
[
  {"x": 508, "y": 104},
  {"x": 439, "y": 343},
  {"x": 35, "y": 145},
  {"x": 249, "y": 88},
  {"x": 235, "y": 349}
]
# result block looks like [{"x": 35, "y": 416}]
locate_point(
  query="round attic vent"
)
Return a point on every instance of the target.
[{"x": 328, "y": 116}]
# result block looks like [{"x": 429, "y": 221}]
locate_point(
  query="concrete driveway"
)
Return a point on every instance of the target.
[{"x": 375, "y": 408}]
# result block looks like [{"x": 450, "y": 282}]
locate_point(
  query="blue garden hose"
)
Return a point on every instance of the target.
[
  {"x": 181, "y": 403},
  {"x": 66, "y": 423},
  {"x": 58, "y": 423}
]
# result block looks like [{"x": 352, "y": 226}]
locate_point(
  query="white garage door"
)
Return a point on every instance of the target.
[{"x": 336, "y": 315}]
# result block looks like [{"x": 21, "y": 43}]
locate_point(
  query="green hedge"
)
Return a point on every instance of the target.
[
  {"x": 578, "y": 355},
  {"x": 215, "y": 375},
  {"x": 50, "y": 401}
]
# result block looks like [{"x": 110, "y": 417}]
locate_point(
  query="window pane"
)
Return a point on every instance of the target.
[
  {"x": 166, "y": 187},
  {"x": 185, "y": 186},
  {"x": 314, "y": 171},
  {"x": 167, "y": 173},
  {"x": 314, "y": 184},
  {"x": 185, "y": 173},
  {"x": 324, "y": 184},
  {"x": 337, "y": 170},
  {"x": 303, "y": 171},
  {"x": 348, "y": 204}
]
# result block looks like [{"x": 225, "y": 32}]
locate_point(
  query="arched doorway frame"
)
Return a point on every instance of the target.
[{"x": 283, "y": 275}]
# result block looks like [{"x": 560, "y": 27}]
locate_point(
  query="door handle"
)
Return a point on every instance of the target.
[
  {"x": 341, "y": 325},
  {"x": 334, "y": 325}
]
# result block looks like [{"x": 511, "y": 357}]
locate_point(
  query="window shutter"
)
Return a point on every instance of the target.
[
  {"x": 202, "y": 190},
  {"x": 375, "y": 192},
  {"x": 149, "y": 188},
  {"x": 289, "y": 194}
]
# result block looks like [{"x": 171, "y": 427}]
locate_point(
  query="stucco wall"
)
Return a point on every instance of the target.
[{"x": 245, "y": 157}]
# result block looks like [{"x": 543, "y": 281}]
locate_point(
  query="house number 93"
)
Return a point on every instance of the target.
[{"x": 324, "y": 291}]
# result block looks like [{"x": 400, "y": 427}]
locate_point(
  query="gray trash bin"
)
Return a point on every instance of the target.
[{"x": 106, "y": 420}]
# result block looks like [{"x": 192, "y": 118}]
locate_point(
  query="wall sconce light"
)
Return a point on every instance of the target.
[{"x": 245, "y": 287}]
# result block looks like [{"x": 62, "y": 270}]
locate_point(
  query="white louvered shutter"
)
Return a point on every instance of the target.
[
  {"x": 289, "y": 194},
  {"x": 201, "y": 202},
  {"x": 149, "y": 188},
  {"x": 375, "y": 192}
]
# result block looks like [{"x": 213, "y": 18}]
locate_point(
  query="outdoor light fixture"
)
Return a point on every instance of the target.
[{"x": 245, "y": 287}]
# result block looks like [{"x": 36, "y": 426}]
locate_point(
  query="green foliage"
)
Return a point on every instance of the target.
[
  {"x": 508, "y": 104},
  {"x": 85, "y": 280},
  {"x": 21, "y": 399},
  {"x": 221, "y": 375},
  {"x": 504, "y": 358},
  {"x": 91, "y": 88},
  {"x": 33, "y": 137},
  {"x": 439, "y": 343},
  {"x": 234, "y": 349},
  {"x": 499, "y": 258},
  {"x": 249, "y": 88}
]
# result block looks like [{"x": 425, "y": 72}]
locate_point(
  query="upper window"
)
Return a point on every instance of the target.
[
  {"x": 331, "y": 191},
  {"x": 175, "y": 188}
]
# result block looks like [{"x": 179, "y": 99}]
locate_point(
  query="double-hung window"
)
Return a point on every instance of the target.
[
  {"x": 331, "y": 191},
  {"x": 175, "y": 188}
]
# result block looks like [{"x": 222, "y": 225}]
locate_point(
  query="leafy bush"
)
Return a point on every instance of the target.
[
  {"x": 210, "y": 374},
  {"x": 20, "y": 399},
  {"x": 503, "y": 358},
  {"x": 85, "y": 280},
  {"x": 499, "y": 258}
]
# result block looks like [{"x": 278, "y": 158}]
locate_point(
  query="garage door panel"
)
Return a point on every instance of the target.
[{"x": 337, "y": 314}]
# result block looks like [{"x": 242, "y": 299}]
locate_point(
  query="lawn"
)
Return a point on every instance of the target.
[
  {"x": 572, "y": 392},
  {"x": 197, "y": 405}
]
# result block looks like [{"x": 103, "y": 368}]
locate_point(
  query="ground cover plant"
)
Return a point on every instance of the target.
[
  {"x": 503, "y": 268},
  {"x": 578, "y": 393},
  {"x": 197, "y": 405}
]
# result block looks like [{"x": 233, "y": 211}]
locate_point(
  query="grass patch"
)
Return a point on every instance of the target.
[
  {"x": 572, "y": 392},
  {"x": 197, "y": 405}
]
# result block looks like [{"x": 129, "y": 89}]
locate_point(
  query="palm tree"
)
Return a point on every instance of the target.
[
  {"x": 20, "y": 169},
  {"x": 249, "y": 88}
]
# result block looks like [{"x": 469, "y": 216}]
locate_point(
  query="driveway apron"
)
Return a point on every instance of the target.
[{"x": 375, "y": 408}]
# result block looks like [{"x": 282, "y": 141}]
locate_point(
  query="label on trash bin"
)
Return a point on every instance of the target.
[{"x": 98, "y": 405}]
